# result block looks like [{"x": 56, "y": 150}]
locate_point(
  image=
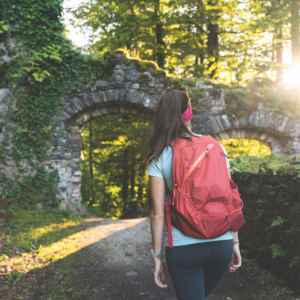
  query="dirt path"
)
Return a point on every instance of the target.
[{"x": 112, "y": 262}]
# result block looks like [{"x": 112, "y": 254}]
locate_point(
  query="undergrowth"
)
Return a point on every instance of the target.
[{"x": 30, "y": 230}]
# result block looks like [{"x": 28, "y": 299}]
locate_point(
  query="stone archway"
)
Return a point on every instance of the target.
[
  {"x": 132, "y": 89},
  {"x": 278, "y": 142},
  {"x": 70, "y": 175},
  {"x": 133, "y": 92},
  {"x": 122, "y": 94}
]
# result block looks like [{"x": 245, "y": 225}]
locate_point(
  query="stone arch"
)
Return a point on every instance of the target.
[
  {"x": 70, "y": 174},
  {"x": 278, "y": 142},
  {"x": 134, "y": 92},
  {"x": 121, "y": 94},
  {"x": 280, "y": 132}
]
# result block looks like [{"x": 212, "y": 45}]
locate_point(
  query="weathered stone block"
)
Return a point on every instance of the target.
[
  {"x": 112, "y": 95},
  {"x": 77, "y": 104},
  {"x": 6, "y": 59},
  {"x": 119, "y": 77},
  {"x": 119, "y": 72},
  {"x": 225, "y": 121},
  {"x": 102, "y": 83},
  {"x": 135, "y": 86},
  {"x": 122, "y": 95},
  {"x": 101, "y": 96}
]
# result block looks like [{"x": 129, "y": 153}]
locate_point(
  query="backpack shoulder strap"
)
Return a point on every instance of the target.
[{"x": 168, "y": 213}]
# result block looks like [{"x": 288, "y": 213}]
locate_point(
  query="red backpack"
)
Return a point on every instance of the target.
[{"x": 205, "y": 202}]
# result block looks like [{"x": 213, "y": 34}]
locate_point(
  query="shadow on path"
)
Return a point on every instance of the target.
[{"x": 116, "y": 265}]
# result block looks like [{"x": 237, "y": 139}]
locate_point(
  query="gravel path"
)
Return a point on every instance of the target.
[{"x": 112, "y": 262}]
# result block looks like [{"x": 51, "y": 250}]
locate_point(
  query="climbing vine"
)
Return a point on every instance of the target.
[{"x": 43, "y": 71}]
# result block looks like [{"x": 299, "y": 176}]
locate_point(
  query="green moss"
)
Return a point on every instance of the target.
[
  {"x": 173, "y": 82},
  {"x": 195, "y": 94},
  {"x": 128, "y": 61},
  {"x": 144, "y": 78},
  {"x": 120, "y": 51},
  {"x": 108, "y": 61},
  {"x": 238, "y": 102},
  {"x": 141, "y": 66},
  {"x": 100, "y": 88},
  {"x": 189, "y": 82},
  {"x": 158, "y": 72}
]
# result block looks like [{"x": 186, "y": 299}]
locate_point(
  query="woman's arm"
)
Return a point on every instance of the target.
[
  {"x": 236, "y": 261},
  {"x": 157, "y": 218}
]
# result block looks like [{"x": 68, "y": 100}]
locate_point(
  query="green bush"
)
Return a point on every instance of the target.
[
  {"x": 40, "y": 188},
  {"x": 238, "y": 102},
  {"x": 271, "y": 194}
]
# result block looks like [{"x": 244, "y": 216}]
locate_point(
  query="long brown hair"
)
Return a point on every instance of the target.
[{"x": 167, "y": 123}]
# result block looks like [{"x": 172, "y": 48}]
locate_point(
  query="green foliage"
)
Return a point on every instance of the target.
[
  {"x": 15, "y": 276},
  {"x": 158, "y": 72},
  {"x": 277, "y": 251},
  {"x": 50, "y": 70},
  {"x": 173, "y": 82},
  {"x": 226, "y": 40},
  {"x": 246, "y": 147},
  {"x": 3, "y": 27},
  {"x": 238, "y": 102},
  {"x": 114, "y": 181},
  {"x": 37, "y": 66},
  {"x": 39, "y": 188},
  {"x": 141, "y": 66},
  {"x": 270, "y": 189}
]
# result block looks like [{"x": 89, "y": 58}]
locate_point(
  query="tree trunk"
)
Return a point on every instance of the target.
[
  {"x": 132, "y": 179},
  {"x": 213, "y": 42},
  {"x": 295, "y": 6},
  {"x": 142, "y": 168},
  {"x": 160, "y": 54},
  {"x": 125, "y": 179},
  {"x": 279, "y": 61},
  {"x": 91, "y": 164},
  {"x": 199, "y": 58}
]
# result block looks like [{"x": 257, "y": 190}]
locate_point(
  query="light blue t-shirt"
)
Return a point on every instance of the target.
[{"x": 163, "y": 168}]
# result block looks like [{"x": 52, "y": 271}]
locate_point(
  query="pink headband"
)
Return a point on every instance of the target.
[{"x": 188, "y": 114}]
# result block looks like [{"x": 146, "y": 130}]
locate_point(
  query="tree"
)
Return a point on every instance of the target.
[
  {"x": 295, "y": 19},
  {"x": 131, "y": 24},
  {"x": 231, "y": 41},
  {"x": 118, "y": 148}
]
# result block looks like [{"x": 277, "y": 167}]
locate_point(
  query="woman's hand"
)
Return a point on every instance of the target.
[
  {"x": 236, "y": 260},
  {"x": 159, "y": 268}
]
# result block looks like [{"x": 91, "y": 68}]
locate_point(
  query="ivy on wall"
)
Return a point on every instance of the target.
[{"x": 43, "y": 72}]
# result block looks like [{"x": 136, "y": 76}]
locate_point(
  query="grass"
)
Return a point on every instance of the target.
[{"x": 29, "y": 230}]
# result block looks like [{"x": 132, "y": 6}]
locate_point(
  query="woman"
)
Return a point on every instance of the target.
[{"x": 195, "y": 265}]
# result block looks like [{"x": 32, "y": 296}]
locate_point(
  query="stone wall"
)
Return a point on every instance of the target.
[{"x": 131, "y": 92}]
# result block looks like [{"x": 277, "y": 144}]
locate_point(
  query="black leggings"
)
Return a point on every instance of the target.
[{"x": 196, "y": 269}]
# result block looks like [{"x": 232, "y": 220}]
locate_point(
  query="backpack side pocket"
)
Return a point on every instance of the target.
[{"x": 236, "y": 215}]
